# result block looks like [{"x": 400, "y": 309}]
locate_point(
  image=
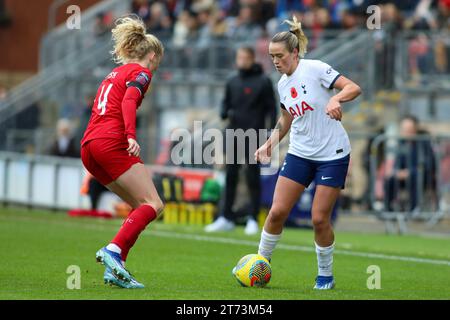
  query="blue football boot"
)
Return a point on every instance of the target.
[
  {"x": 111, "y": 279},
  {"x": 324, "y": 283},
  {"x": 113, "y": 261}
]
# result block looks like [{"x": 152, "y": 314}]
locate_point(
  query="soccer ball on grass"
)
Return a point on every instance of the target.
[{"x": 253, "y": 270}]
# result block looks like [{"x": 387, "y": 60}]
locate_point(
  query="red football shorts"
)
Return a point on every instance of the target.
[{"x": 107, "y": 159}]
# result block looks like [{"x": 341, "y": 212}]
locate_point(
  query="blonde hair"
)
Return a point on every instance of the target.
[
  {"x": 294, "y": 38},
  {"x": 131, "y": 41}
]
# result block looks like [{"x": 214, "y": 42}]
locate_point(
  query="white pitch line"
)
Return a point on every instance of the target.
[
  {"x": 282, "y": 246},
  {"x": 170, "y": 234}
]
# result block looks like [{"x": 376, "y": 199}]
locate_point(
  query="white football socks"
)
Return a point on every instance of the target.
[
  {"x": 325, "y": 260},
  {"x": 267, "y": 244},
  {"x": 114, "y": 248}
]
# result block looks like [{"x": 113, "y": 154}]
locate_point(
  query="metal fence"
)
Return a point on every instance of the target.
[
  {"x": 186, "y": 80},
  {"x": 376, "y": 183},
  {"x": 409, "y": 178},
  {"x": 53, "y": 182},
  {"x": 422, "y": 59},
  {"x": 191, "y": 76},
  {"x": 422, "y": 74},
  {"x": 356, "y": 60},
  {"x": 41, "y": 181},
  {"x": 61, "y": 42}
]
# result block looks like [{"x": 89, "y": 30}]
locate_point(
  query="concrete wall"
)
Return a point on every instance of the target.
[{"x": 19, "y": 42}]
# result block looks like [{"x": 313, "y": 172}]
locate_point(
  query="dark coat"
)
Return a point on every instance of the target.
[
  {"x": 72, "y": 150},
  {"x": 249, "y": 100}
]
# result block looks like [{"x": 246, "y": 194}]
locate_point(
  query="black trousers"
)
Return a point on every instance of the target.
[
  {"x": 252, "y": 175},
  {"x": 392, "y": 186},
  {"x": 95, "y": 191}
]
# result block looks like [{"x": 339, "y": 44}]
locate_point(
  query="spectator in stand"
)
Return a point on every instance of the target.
[
  {"x": 204, "y": 16},
  {"x": 218, "y": 25},
  {"x": 244, "y": 27},
  {"x": 243, "y": 16},
  {"x": 391, "y": 18},
  {"x": 407, "y": 6},
  {"x": 349, "y": 20},
  {"x": 385, "y": 46},
  {"x": 267, "y": 11},
  {"x": 230, "y": 8},
  {"x": 285, "y": 7},
  {"x": 185, "y": 34},
  {"x": 192, "y": 26},
  {"x": 212, "y": 27},
  {"x": 442, "y": 47},
  {"x": 261, "y": 57},
  {"x": 423, "y": 18},
  {"x": 181, "y": 30},
  {"x": 443, "y": 16},
  {"x": 171, "y": 8},
  {"x": 321, "y": 22},
  {"x": 65, "y": 144},
  {"x": 419, "y": 56},
  {"x": 102, "y": 24},
  {"x": 159, "y": 22},
  {"x": 441, "y": 55},
  {"x": 414, "y": 167},
  {"x": 142, "y": 9}
]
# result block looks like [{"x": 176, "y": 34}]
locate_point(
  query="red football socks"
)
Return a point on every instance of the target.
[{"x": 132, "y": 227}]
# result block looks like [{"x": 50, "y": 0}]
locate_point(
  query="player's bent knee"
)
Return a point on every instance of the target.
[
  {"x": 277, "y": 216},
  {"x": 320, "y": 222}
]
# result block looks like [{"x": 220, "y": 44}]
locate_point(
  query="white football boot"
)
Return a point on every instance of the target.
[
  {"x": 221, "y": 224},
  {"x": 251, "y": 227}
]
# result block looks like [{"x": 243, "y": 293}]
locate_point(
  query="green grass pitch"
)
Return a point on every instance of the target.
[{"x": 183, "y": 262}]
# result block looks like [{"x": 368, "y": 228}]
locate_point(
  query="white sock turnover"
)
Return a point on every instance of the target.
[
  {"x": 114, "y": 248},
  {"x": 325, "y": 260}
]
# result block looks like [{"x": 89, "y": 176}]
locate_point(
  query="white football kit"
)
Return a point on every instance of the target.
[{"x": 305, "y": 95}]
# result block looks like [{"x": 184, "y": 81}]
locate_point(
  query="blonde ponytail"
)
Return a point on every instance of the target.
[
  {"x": 293, "y": 39},
  {"x": 131, "y": 41}
]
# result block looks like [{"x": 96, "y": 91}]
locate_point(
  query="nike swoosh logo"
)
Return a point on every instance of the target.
[{"x": 326, "y": 178}]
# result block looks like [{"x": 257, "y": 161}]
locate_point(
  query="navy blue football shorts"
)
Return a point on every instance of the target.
[{"x": 328, "y": 173}]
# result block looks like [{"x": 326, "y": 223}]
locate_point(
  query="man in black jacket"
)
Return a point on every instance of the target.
[{"x": 249, "y": 101}]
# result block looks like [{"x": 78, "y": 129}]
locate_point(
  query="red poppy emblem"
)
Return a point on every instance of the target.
[{"x": 293, "y": 93}]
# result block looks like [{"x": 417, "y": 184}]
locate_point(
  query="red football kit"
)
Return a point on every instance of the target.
[{"x": 113, "y": 122}]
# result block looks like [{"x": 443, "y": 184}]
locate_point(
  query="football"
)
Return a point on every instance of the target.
[{"x": 253, "y": 270}]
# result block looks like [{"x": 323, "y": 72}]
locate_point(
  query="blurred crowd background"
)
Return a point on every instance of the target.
[{"x": 49, "y": 75}]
